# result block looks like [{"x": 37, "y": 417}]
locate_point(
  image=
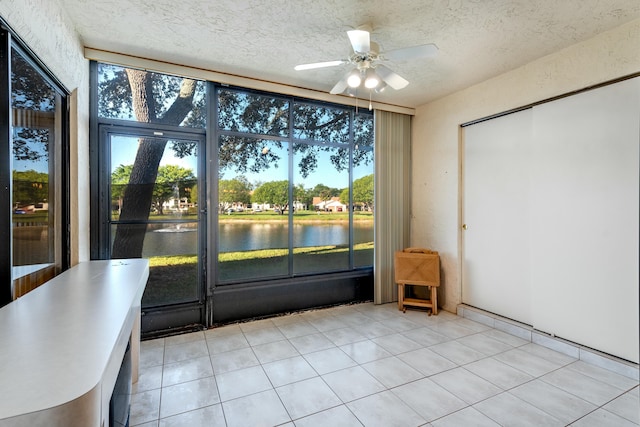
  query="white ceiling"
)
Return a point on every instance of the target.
[{"x": 265, "y": 39}]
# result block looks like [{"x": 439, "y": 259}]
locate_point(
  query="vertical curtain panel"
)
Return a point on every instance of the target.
[{"x": 391, "y": 199}]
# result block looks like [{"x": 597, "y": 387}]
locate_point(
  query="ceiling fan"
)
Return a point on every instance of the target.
[{"x": 367, "y": 60}]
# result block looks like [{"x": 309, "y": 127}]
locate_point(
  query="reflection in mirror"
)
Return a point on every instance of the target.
[{"x": 36, "y": 131}]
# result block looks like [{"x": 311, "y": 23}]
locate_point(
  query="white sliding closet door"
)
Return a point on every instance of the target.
[
  {"x": 496, "y": 274},
  {"x": 551, "y": 202},
  {"x": 584, "y": 240}
]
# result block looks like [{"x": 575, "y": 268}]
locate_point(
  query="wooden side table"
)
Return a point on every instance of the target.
[{"x": 417, "y": 267}]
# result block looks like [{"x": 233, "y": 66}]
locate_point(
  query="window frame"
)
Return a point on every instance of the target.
[
  {"x": 9, "y": 41},
  {"x": 290, "y": 141},
  {"x": 245, "y": 299}
]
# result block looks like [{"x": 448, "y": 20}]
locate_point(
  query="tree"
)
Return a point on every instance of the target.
[
  {"x": 194, "y": 194},
  {"x": 269, "y": 115},
  {"x": 30, "y": 187},
  {"x": 325, "y": 192},
  {"x": 119, "y": 180},
  {"x": 231, "y": 191},
  {"x": 303, "y": 195},
  {"x": 173, "y": 182},
  {"x": 344, "y": 197},
  {"x": 276, "y": 193},
  {"x": 147, "y": 100},
  {"x": 363, "y": 192},
  {"x": 160, "y": 99}
]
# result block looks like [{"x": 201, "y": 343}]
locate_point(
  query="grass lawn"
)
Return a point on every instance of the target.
[
  {"x": 37, "y": 216},
  {"x": 267, "y": 216},
  {"x": 297, "y": 216},
  {"x": 173, "y": 279}
]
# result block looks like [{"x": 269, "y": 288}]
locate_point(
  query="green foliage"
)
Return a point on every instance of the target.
[
  {"x": 344, "y": 197},
  {"x": 116, "y": 98},
  {"x": 119, "y": 180},
  {"x": 236, "y": 190},
  {"x": 276, "y": 193},
  {"x": 325, "y": 192},
  {"x": 240, "y": 111},
  {"x": 321, "y": 123},
  {"x": 303, "y": 195},
  {"x": 251, "y": 113},
  {"x": 30, "y": 187},
  {"x": 194, "y": 194},
  {"x": 172, "y": 182},
  {"x": 245, "y": 154},
  {"x": 255, "y": 136},
  {"x": 363, "y": 192}
]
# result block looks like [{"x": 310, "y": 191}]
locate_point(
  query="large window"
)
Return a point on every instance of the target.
[
  {"x": 295, "y": 188},
  {"x": 37, "y": 171},
  {"x": 227, "y": 189}
]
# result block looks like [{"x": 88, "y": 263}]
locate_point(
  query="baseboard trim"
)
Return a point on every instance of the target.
[{"x": 528, "y": 333}]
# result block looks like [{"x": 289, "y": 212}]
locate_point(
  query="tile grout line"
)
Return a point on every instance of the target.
[{"x": 401, "y": 333}]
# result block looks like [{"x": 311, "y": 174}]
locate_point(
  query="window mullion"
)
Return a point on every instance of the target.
[
  {"x": 6, "y": 258},
  {"x": 290, "y": 151}
]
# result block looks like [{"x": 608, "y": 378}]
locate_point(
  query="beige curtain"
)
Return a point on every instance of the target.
[{"x": 392, "y": 198}]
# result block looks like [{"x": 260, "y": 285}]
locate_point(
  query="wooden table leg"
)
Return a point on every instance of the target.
[{"x": 434, "y": 299}]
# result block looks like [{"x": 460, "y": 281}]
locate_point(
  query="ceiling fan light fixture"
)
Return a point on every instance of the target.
[
  {"x": 354, "y": 79},
  {"x": 381, "y": 88},
  {"x": 371, "y": 79},
  {"x": 367, "y": 72}
]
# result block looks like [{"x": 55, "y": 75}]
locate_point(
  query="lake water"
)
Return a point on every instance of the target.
[{"x": 182, "y": 239}]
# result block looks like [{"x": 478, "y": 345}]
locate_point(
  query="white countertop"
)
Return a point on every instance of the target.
[{"x": 56, "y": 341}]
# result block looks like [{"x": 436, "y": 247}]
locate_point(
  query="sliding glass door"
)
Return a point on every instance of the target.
[{"x": 155, "y": 212}]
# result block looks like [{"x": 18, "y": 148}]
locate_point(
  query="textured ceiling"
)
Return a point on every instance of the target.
[{"x": 265, "y": 39}]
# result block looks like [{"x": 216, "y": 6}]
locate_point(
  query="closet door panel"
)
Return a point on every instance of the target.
[
  {"x": 584, "y": 213},
  {"x": 496, "y": 274}
]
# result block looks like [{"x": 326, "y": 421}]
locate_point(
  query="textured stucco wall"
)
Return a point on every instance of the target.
[
  {"x": 48, "y": 32},
  {"x": 435, "y": 146}
]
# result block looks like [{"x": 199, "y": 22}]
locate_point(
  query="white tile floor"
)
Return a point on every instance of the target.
[{"x": 367, "y": 365}]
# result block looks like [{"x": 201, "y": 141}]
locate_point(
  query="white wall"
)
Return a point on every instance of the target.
[
  {"x": 45, "y": 28},
  {"x": 435, "y": 147}
]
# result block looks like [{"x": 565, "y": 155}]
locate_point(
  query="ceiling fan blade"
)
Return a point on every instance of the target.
[
  {"x": 391, "y": 78},
  {"x": 339, "y": 87},
  {"x": 318, "y": 65},
  {"x": 360, "y": 40},
  {"x": 413, "y": 52}
]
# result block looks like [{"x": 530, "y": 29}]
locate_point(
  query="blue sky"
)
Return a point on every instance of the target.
[{"x": 124, "y": 151}]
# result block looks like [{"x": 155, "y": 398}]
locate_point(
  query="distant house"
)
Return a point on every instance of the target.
[
  {"x": 299, "y": 206},
  {"x": 331, "y": 205}
]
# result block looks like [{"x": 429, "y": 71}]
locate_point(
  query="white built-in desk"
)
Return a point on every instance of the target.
[{"x": 62, "y": 344}]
